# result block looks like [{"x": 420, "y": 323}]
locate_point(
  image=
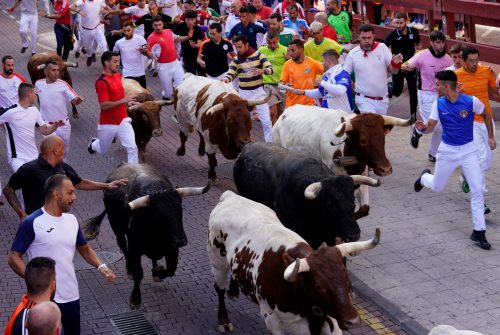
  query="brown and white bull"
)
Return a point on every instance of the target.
[
  {"x": 331, "y": 135},
  {"x": 145, "y": 115},
  {"x": 36, "y": 65},
  {"x": 219, "y": 115},
  {"x": 298, "y": 289}
]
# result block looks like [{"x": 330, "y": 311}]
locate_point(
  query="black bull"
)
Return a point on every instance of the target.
[
  {"x": 305, "y": 194},
  {"x": 146, "y": 217}
]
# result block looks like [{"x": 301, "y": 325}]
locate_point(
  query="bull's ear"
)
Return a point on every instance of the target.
[
  {"x": 287, "y": 259},
  {"x": 387, "y": 129}
]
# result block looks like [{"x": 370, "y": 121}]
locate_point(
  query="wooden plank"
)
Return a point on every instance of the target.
[
  {"x": 422, "y": 4},
  {"x": 480, "y": 9}
]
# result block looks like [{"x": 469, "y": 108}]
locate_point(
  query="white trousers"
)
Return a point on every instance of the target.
[
  {"x": 484, "y": 153},
  {"x": 367, "y": 105},
  {"x": 447, "y": 160},
  {"x": 88, "y": 37},
  {"x": 262, "y": 110},
  {"x": 168, "y": 72},
  {"x": 124, "y": 132},
  {"x": 425, "y": 101},
  {"x": 45, "y": 5},
  {"x": 28, "y": 24}
]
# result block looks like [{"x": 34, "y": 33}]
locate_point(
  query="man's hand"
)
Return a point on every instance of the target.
[
  {"x": 144, "y": 50},
  {"x": 117, "y": 183},
  {"x": 115, "y": 32},
  {"x": 201, "y": 63},
  {"x": 492, "y": 143},
  {"x": 10, "y": 10},
  {"x": 257, "y": 72},
  {"x": 318, "y": 80},
  {"x": 397, "y": 59},
  {"x": 129, "y": 97},
  {"x": 76, "y": 101},
  {"x": 226, "y": 80},
  {"x": 420, "y": 125},
  {"x": 193, "y": 44},
  {"x": 42, "y": 13},
  {"x": 58, "y": 123},
  {"x": 108, "y": 273},
  {"x": 190, "y": 32},
  {"x": 407, "y": 67}
]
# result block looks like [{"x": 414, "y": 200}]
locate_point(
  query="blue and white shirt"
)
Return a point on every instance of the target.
[
  {"x": 335, "y": 90},
  {"x": 42, "y": 234},
  {"x": 457, "y": 118},
  {"x": 295, "y": 26}
]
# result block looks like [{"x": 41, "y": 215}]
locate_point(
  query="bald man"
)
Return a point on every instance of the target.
[
  {"x": 31, "y": 177},
  {"x": 44, "y": 319},
  {"x": 328, "y": 31}
]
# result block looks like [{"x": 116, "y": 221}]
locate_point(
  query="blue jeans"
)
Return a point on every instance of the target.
[
  {"x": 63, "y": 37},
  {"x": 70, "y": 315}
]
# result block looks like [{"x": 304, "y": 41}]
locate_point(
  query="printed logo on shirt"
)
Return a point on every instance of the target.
[
  {"x": 343, "y": 18},
  {"x": 51, "y": 229},
  {"x": 463, "y": 113},
  {"x": 225, "y": 47},
  {"x": 307, "y": 70}
]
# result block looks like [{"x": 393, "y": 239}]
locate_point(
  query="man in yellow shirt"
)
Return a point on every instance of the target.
[
  {"x": 316, "y": 46},
  {"x": 480, "y": 81},
  {"x": 299, "y": 72}
]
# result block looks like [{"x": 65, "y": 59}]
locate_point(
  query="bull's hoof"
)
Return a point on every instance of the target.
[
  {"x": 158, "y": 273},
  {"x": 181, "y": 152},
  {"x": 130, "y": 276},
  {"x": 227, "y": 326},
  {"x": 134, "y": 303}
]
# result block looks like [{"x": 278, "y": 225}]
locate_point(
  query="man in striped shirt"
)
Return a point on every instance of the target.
[{"x": 249, "y": 67}]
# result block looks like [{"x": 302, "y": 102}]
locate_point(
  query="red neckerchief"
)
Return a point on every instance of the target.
[{"x": 375, "y": 44}]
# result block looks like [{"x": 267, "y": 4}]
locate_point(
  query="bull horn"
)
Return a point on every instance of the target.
[
  {"x": 71, "y": 64},
  {"x": 188, "y": 191},
  {"x": 356, "y": 247},
  {"x": 300, "y": 265},
  {"x": 134, "y": 107},
  {"x": 364, "y": 180},
  {"x": 164, "y": 102},
  {"x": 215, "y": 108},
  {"x": 255, "y": 102},
  {"x": 395, "y": 121},
  {"x": 40, "y": 67},
  {"x": 312, "y": 191},
  {"x": 342, "y": 128},
  {"x": 139, "y": 202}
]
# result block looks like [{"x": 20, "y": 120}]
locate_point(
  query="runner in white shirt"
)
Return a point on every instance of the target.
[
  {"x": 53, "y": 95},
  {"x": 370, "y": 61},
  {"x": 9, "y": 82},
  {"x": 137, "y": 12},
  {"x": 91, "y": 32},
  {"x": 169, "y": 7},
  {"x": 20, "y": 121},
  {"x": 133, "y": 50},
  {"x": 27, "y": 23}
]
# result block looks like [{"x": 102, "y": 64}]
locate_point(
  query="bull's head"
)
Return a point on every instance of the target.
[
  {"x": 333, "y": 201},
  {"x": 366, "y": 139},
  {"x": 325, "y": 280},
  {"x": 150, "y": 113}
]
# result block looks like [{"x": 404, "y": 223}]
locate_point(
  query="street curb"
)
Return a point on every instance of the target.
[{"x": 395, "y": 313}]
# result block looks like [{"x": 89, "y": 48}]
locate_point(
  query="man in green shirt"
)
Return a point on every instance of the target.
[
  {"x": 340, "y": 20},
  {"x": 316, "y": 46},
  {"x": 286, "y": 35},
  {"x": 276, "y": 54}
]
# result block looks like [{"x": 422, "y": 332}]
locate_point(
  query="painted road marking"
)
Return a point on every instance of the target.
[{"x": 373, "y": 322}]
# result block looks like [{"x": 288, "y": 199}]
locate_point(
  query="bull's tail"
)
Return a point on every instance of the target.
[{"x": 91, "y": 226}]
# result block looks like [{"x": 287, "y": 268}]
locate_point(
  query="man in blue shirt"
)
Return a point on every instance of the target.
[
  {"x": 295, "y": 23},
  {"x": 455, "y": 112},
  {"x": 247, "y": 28}
]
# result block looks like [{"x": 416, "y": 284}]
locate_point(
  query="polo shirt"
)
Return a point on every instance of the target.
[
  {"x": 18, "y": 318},
  {"x": 215, "y": 56},
  {"x": 300, "y": 76},
  {"x": 315, "y": 51},
  {"x": 57, "y": 237},
  {"x": 403, "y": 44},
  {"x": 187, "y": 51},
  {"x": 428, "y": 65},
  {"x": 285, "y": 36},
  {"x": 298, "y": 26},
  {"x": 277, "y": 59},
  {"x": 147, "y": 22},
  {"x": 342, "y": 23},
  {"x": 8, "y": 89},
  {"x": 264, "y": 13},
  {"x": 250, "y": 31},
  {"x": 31, "y": 177},
  {"x": 110, "y": 88}
]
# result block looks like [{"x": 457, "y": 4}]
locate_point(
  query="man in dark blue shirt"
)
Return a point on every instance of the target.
[{"x": 247, "y": 28}]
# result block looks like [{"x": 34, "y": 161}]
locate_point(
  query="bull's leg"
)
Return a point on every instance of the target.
[
  {"x": 157, "y": 271},
  {"x": 201, "y": 146},
  {"x": 234, "y": 291},
  {"x": 363, "y": 198},
  {"x": 76, "y": 115},
  {"x": 181, "y": 151},
  {"x": 122, "y": 243},
  {"x": 137, "y": 273},
  {"x": 212, "y": 163},
  {"x": 172, "y": 259},
  {"x": 224, "y": 322}
]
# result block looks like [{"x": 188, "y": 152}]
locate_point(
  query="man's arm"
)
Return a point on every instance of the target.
[
  {"x": 396, "y": 63},
  {"x": 90, "y": 185},
  {"x": 13, "y": 8},
  {"x": 494, "y": 94},
  {"x": 10, "y": 195},
  {"x": 16, "y": 263},
  {"x": 48, "y": 129},
  {"x": 426, "y": 127},
  {"x": 91, "y": 257},
  {"x": 489, "y": 126}
]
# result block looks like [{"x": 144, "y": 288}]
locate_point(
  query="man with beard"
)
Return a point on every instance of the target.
[
  {"x": 370, "y": 61},
  {"x": 404, "y": 40},
  {"x": 147, "y": 20},
  {"x": 133, "y": 50},
  {"x": 214, "y": 53},
  {"x": 52, "y": 232},
  {"x": 9, "y": 83},
  {"x": 40, "y": 278},
  {"x": 114, "y": 120},
  {"x": 247, "y": 28},
  {"x": 428, "y": 63},
  {"x": 249, "y": 67}
]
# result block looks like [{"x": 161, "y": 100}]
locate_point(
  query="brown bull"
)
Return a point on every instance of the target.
[{"x": 36, "y": 65}]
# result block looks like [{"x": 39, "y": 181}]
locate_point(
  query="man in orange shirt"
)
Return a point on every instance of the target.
[
  {"x": 299, "y": 72},
  {"x": 480, "y": 81}
]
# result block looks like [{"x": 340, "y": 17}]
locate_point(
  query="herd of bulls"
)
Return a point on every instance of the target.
[{"x": 278, "y": 240}]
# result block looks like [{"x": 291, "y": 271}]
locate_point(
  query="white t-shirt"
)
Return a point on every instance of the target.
[
  {"x": 172, "y": 11},
  {"x": 137, "y": 12},
  {"x": 370, "y": 70},
  {"x": 231, "y": 21},
  {"x": 53, "y": 99},
  {"x": 8, "y": 89},
  {"x": 29, "y": 7},
  {"x": 92, "y": 8},
  {"x": 45, "y": 235},
  {"x": 20, "y": 127},
  {"x": 133, "y": 61}
]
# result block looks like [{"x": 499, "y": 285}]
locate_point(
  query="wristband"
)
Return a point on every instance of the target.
[
  {"x": 103, "y": 265},
  {"x": 394, "y": 65}
]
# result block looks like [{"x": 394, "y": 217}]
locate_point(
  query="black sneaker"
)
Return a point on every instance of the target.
[
  {"x": 432, "y": 158},
  {"x": 77, "y": 54},
  {"x": 418, "y": 185},
  {"x": 23, "y": 49},
  {"x": 479, "y": 237},
  {"x": 93, "y": 58},
  {"x": 84, "y": 51},
  {"x": 415, "y": 137},
  {"x": 89, "y": 61},
  {"x": 390, "y": 85},
  {"x": 89, "y": 148},
  {"x": 487, "y": 210}
]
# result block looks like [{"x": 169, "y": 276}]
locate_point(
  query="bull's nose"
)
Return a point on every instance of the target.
[
  {"x": 157, "y": 132},
  {"x": 383, "y": 171},
  {"x": 353, "y": 322},
  {"x": 181, "y": 242}
]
